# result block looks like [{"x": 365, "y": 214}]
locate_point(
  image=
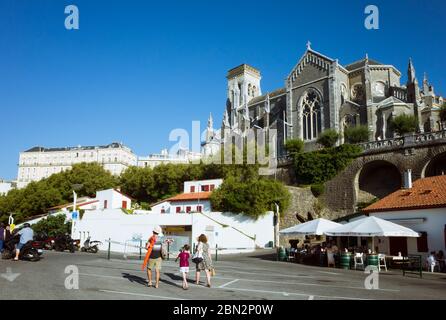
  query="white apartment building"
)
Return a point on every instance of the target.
[
  {"x": 182, "y": 156},
  {"x": 39, "y": 163},
  {"x": 6, "y": 186}
]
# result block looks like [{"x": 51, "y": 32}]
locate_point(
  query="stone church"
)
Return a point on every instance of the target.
[{"x": 320, "y": 93}]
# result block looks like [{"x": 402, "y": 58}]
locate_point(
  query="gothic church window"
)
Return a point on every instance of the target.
[
  {"x": 358, "y": 92},
  {"x": 311, "y": 114}
]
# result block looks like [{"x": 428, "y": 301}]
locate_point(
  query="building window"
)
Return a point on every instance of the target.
[
  {"x": 199, "y": 208},
  {"x": 105, "y": 204},
  {"x": 311, "y": 115},
  {"x": 188, "y": 209},
  {"x": 124, "y": 204},
  {"x": 205, "y": 188},
  {"x": 212, "y": 187},
  {"x": 192, "y": 189},
  {"x": 178, "y": 210},
  {"x": 422, "y": 242},
  {"x": 163, "y": 210}
]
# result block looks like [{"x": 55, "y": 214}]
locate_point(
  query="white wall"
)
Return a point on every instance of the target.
[
  {"x": 434, "y": 224},
  {"x": 114, "y": 199},
  {"x": 170, "y": 207},
  {"x": 197, "y": 184},
  {"x": 104, "y": 224}
]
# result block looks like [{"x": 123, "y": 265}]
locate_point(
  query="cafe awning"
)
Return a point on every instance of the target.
[
  {"x": 372, "y": 227},
  {"x": 313, "y": 227}
]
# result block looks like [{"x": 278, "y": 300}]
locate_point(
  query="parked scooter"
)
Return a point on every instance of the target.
[
  {"x": 91, "y": 246},
  {"x": 29, "y": 252},
  {"x": 64, "y": 242}
]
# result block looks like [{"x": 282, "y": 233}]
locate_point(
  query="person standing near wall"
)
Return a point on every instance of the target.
[{"x": 206, "y": 261}]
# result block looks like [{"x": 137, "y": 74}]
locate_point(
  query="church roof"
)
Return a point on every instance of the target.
[
  {"x": 272, "y": 95},
  {"x": 390, "y": 101},
  {"x": 361, "y": 63}
]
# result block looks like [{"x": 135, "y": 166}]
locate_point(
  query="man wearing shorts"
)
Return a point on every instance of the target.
[
  {"x": 26, "y": 234},
  {"x": 155, "y": 259}
]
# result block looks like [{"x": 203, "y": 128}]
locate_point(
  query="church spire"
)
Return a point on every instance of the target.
[
  {"x": 210, "y": 121},
  {"x": 411, "y": 72}
]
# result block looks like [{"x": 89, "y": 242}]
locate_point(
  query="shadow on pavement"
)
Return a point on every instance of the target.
[
  {"x": 268, "y": 256},
  {"x": 132, "y": 278}
]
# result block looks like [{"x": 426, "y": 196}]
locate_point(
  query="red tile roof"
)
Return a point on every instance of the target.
[
  {"x": 425, "y": 193},
  {"x": 190, "y": 196}
]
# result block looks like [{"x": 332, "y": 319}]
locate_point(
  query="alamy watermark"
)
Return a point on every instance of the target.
[
  {"x": 72, "y": 280},
  {"x": 371, "y": 22},
  {"x": 251, "y": 146},
  {"x": 72, "y": 20},
  {"x": 371, "y": 282}
]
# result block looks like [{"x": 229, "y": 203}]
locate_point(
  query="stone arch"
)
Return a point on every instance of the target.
[
  {"x": 436, "y": 166},
  {"x": 376, "y": 179}
]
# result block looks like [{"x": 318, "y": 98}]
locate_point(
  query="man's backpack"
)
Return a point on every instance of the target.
[{"x": 164, "y": 250}]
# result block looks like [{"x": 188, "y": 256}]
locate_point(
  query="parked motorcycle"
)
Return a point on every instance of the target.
[
  {"x": 91, "y": 246},
  {"x": 64, "y": 242},
  {"x": 29, "y": 252}
]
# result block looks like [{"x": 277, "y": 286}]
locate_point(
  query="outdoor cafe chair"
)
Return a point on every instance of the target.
[
  {"x": 382, "y": 261},
  {"x": 359, "y": 260}
]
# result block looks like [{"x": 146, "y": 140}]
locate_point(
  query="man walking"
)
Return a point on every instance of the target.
[
  {"x": 26, "y": 234},
  {"x": 154, "y": 256}
]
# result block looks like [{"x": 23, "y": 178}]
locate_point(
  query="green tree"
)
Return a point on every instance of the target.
[
  {"x": 403, "y": 124},
  {"x": 37, "y": 197},
  {"x": 52, "y": 225},
  {"x": 252, "y": 198},
  {"x": 356, "y": 134},
  {"x": 294, "y": 146},
  {"x": 328, "y": 138}
]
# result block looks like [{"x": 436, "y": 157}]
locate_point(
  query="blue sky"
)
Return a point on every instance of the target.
[{"x": 135, "y": 70}]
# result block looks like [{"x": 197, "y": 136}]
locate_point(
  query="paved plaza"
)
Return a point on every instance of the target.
[{"x": 239, "y": 277}]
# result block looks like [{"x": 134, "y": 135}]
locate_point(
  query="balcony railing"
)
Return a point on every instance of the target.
[{"x": 408, "y": 140}]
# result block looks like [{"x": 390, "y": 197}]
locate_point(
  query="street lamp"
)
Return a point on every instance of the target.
[{"x": 74, "y": 213}]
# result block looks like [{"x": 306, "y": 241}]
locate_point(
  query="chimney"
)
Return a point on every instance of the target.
[{"x": 408, "y": 179}]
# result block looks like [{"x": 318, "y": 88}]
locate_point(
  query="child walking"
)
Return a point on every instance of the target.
[{"x": 184, "y": 256}]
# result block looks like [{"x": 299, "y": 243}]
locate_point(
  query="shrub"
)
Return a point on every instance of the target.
[
  {"x": 52, "y": 225},
  {"x": 356, "y": 134},
  {"x": 294, "y": 146},
  {"x": 328, "y": 138},
  {"x": 403, "y": 124},
  {"x": 317, "y": 189},
  {"x": 320, "y": 166}
]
